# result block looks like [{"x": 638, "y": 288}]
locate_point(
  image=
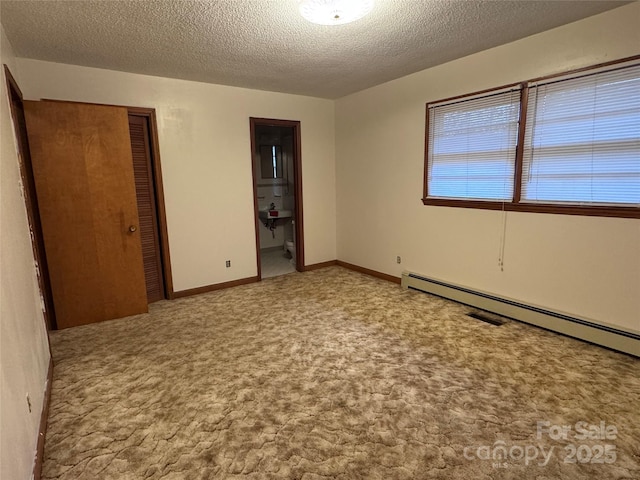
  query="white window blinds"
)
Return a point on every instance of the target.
[
  {"x": 472, "y": 146},
  {"x": 582, "y": 140}
]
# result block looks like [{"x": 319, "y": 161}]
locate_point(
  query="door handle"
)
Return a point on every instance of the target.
[{"x": 132, "y": 228}]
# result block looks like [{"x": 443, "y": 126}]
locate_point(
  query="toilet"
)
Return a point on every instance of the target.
[{"x": 290, "y": 245}]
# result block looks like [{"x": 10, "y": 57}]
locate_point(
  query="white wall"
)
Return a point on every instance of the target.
[
  {"x": 205, "y": 150},
  {"x": 24, "y": 349},
  {"x": 585, "y": 266}
]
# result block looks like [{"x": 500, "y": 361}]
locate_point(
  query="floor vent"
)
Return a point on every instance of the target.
[
  {"x": 487, "y": 317},
  {"x": 607, "y": 335}
]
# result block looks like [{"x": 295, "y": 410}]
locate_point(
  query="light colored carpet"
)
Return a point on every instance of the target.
[{"x": 330, "y": 374}]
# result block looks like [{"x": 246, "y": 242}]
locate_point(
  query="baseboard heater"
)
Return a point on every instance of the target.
[{"x": 606, "y": 335}]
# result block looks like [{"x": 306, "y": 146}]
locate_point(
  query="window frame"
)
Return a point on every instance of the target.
[{"x": 515, "y": 205}]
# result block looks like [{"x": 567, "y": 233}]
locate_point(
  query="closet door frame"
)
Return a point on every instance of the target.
[
  {"x": 156, "y": 173},
  {"x": 156, "y": 169}
]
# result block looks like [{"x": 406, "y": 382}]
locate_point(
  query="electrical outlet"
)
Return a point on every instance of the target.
[
  {"x": 228, "y": 263},
  {"x": 29, "y": 402},
  {"x": 398, "y": 259}
]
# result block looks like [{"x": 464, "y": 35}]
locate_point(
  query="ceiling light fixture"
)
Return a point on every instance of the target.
[{"x": 334, "y": 12}]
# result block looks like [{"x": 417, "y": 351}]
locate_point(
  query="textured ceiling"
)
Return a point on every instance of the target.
[{"x": 267, "y": 45}]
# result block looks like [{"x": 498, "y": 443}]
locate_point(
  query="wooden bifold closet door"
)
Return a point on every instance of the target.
[
  {"x": 145, "y": 193},
  {"x": 83, "y": 171}
]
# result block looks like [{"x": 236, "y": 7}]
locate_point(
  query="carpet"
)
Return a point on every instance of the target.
[{"x": 334, "y": 374}]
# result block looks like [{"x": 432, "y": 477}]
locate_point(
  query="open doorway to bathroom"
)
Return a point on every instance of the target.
[{"x": 277, "y": 181}]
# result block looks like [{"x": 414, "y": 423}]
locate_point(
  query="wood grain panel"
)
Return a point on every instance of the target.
[{"x": 83, "y": 172}]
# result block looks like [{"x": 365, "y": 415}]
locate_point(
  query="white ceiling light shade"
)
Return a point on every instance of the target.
[{"x": 334, "y": 12}]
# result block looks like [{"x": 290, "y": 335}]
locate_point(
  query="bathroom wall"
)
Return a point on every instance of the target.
[
  {"x": 205, "y": 151},
  {"x": 266, "y": 195},
  {"x": 584, "y": 266},
  {"x": 279, "y": 191}
]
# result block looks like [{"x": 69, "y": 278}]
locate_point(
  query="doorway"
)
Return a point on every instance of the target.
[
  {"x": 277, "y": 180},
  {"x": 141, "y": 138}
]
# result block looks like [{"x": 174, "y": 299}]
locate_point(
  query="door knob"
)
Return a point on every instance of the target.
[{"x": 132, "y": 228}]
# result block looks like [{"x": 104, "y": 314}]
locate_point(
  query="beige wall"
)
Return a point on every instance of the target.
[
  {"x": 24, "y": 351},
  {"x": 206, "y": 161},
  {"x": 584, "y": 266}
]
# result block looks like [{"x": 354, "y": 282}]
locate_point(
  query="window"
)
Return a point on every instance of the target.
[
  {"x": 582, "y": 140},
  {"x": 471, "y": 146},
  {"x": 563, "y": 144}
]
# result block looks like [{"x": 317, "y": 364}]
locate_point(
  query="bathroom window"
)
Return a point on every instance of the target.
[
  {"x": 274, "y": 161},
  {"x": 271, "y": 161}
]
